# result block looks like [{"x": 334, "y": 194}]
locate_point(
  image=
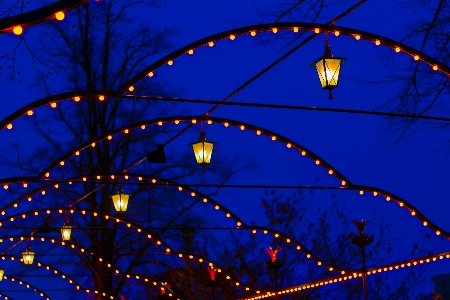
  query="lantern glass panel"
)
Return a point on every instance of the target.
[
  {"x": 203, "y": 152},
  {"x": 120, "y": 202},
  {"x": 2, "y": 272},
  {"x": 328, "y": 70},
  {"x": 28, "y": 257},
  {"x": 66, "y": 230}
]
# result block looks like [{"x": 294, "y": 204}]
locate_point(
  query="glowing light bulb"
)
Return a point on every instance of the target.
[
  {"x": 60, "y": 16},
  {"x": 18, "y": 30}
]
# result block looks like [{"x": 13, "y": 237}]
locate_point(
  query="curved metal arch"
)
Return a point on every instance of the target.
[
  {"x": 38, "y": 15},
  {"x": 335, "y": 279},
  {"x": 157, "y": 240},
  {"x": 266, "y": 132},
  {"x": 303, "y": 150},
  {"x": 27, "y": 285},
  {"x": 288, "y": 26},
  {"x": 217, "y": 205},
  {"x": 390, "y": 196},
  {"x": 54, "y": 98}
]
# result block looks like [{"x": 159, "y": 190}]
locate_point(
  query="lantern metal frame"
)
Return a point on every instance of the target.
[
  {"x": 66, "y": 231},
  {"x": 203, "y": 149},
  {"x": 120, "y": 201},
  {"x": 28, "y": 257},
  {"x": 328, "y": 68}
]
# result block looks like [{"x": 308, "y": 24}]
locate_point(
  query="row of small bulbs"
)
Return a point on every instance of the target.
[
  {"x": 373, "y": 271},
  {"x": 259, "y": 131},
  {"x": 129, "y": 225},
  {"x": 232, "y": 37},
  {"x": 317, "y": 161},
  {"x": 131, "y": 88},
  {"x": 27, "y": 285},
  {"x": 18, "y": 30},
  {"x": 228, "y": 213}
]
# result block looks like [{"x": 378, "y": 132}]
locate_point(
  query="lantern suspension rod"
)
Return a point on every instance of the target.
[
  {"x": 293, "y": 107},
  {"x": 248, "y": 82}
]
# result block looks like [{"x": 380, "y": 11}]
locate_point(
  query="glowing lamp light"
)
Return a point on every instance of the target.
[
  {"x": 28, "y": 257},
  {"x": 66, "y": 231},
  {"x": 120, "y": 201},
  {"x": 203, "y": 149},
  {"x": 328, "y": 68},
  {"x": 18, "y": 30},
  {"x": 2, "y": 272},
  {"x": 60, "y": 16}
]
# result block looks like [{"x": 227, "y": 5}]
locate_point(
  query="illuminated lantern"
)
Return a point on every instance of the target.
[
  {"x": 328, "y": 68},
  {"x": 2, "y": 272},
  {"x": 28, "y": 257},
  {"x": 203, "y": 149},
  {"x": 66, "y": 230},
  {"x": 120, "y": 201}
]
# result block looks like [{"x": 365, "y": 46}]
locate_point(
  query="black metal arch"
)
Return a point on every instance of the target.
[{"x": 384, "y": 41}]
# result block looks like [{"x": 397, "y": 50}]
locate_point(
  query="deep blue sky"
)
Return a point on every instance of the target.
[{"x": 353, "y": 144}]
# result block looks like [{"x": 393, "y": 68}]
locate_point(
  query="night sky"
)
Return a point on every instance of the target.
[{"x": 356, "y": 145}]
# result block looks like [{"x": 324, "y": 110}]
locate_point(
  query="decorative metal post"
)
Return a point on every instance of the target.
[{"x": 362, "y": 241}]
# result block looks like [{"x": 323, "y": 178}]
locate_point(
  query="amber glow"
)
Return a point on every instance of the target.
[
  {"x": 59, "y": 16},
  {"x": 120, "y": 201},
  {"x": 328, "y": 69},
  {"x": 2, "y": 272},
  {"x": 17, "y": 30},
  {"x": 28, "y": 257},
  {"x": 203, "y": 151},
  {"x": 66, "y": 231}
]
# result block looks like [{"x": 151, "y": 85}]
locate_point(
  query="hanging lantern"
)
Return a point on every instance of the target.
[
  {"x": 28, "y": 257},
  {"x": 2, "y": 272},
  {"x": 203, "y": 149},
  {"x": 120, "y": 201},
  {"x": 328, "y": 68},
  {"x": 66, "y": 230}
]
